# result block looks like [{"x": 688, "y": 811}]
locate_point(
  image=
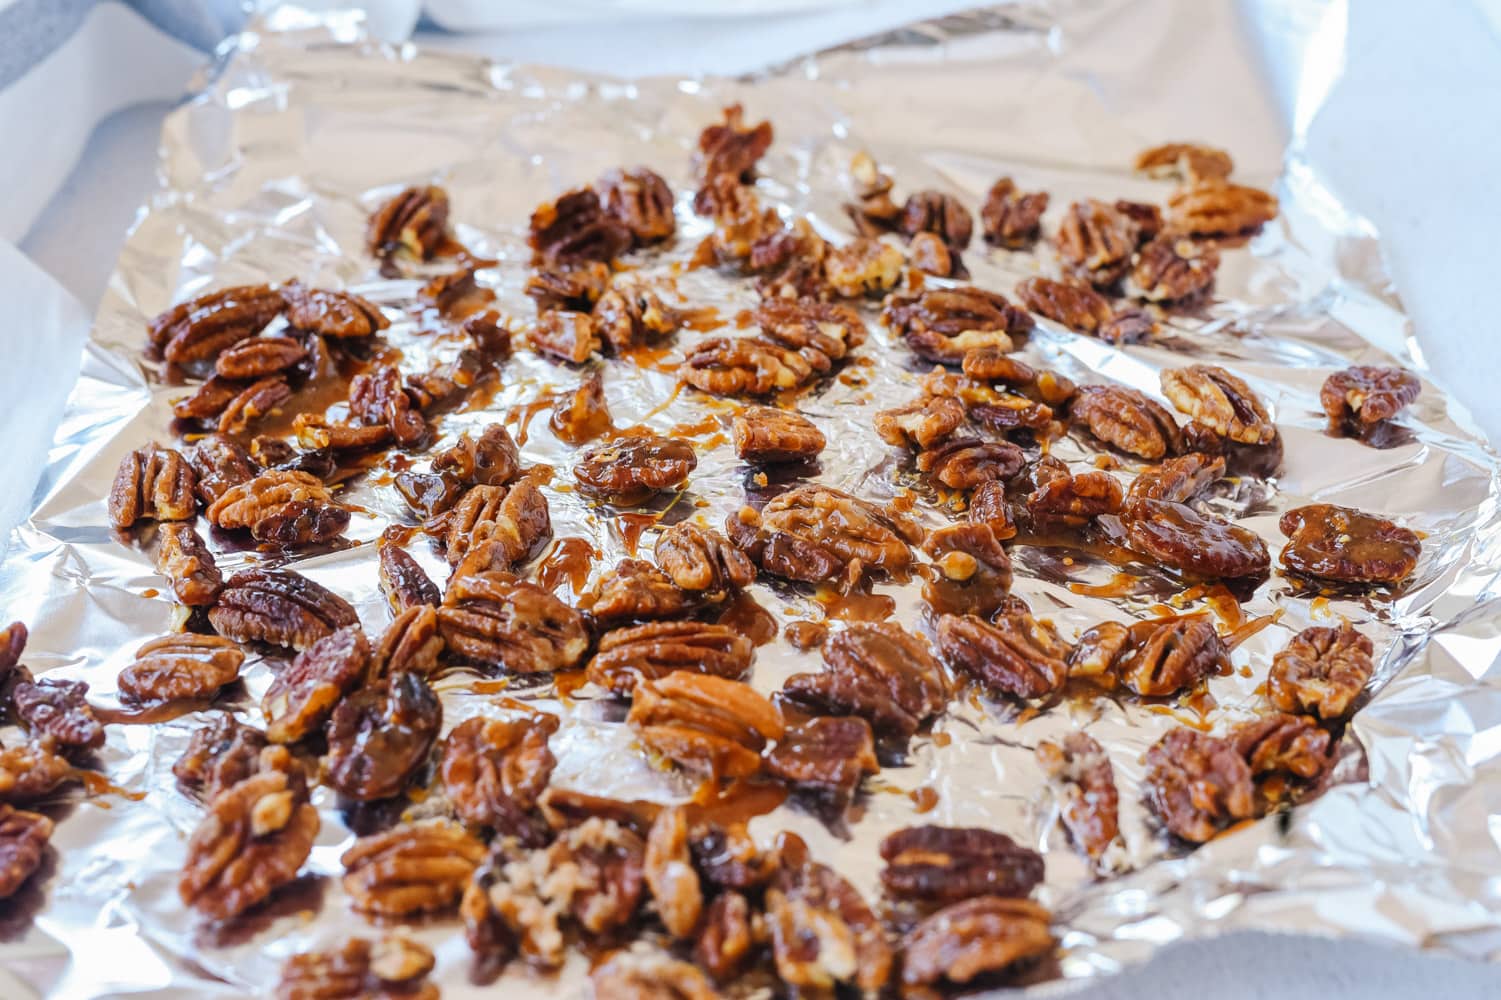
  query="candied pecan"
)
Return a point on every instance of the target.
[
  {"x": 276, "y": 453},
  {"x": 57, "y": 711},
  {"x": 931, "y": 255},
  {"x": 566, "y": 336},
  {"x": 941, "y": 324},
  {"x": 1127, "y": 419},
  {"x": 495, "y": 770},
  {"x": 1175, "y": 536},
  {"x": 988, "y": 506},
  {"x": 1180, "y": 479},
  {"x": 380, "y": 734},
  {"x": 634, "y": 590},
  {"x": 1219, "y": 208},
  {"x": 181, "y": 666},
  {"x": 1073, "y": 500},
  {"x": 23, "y": 840},
  {"x": 1185, "y": 161},
  {"x": 740, "y": 224},
  {"x": 1281, "y": 749},
  {"x": 254, "y": 401},
  {"x": 863, "y": 266},
  {"x": 254, "y": 838},
  {"x": 632, "y": 313},
  {"x": 822, "y": 933},
  {"x": 457, "y": 294},
  {"x": 670, "y": 875},
  {"x": 410, "y": 642},
  {"x": 634, "y": 976},
  {"x": 12, "y": 644},
  {"x": 258, "y": 357},
  {"x": 393, "y": 969},
  {"x": 640, "y": 200},
  {"x": 1090, "y": 804},
  {"x": 339, "y": 315},
  {"x": 492, "y": 459},
  {"x": 576, "y": 227},
  {"x": 1362, "y": 396},
  {"x": 565, "y": 808},
  {"x": 428, "y": 494},
  {"x": 278, "y": 607},
  {"x": 827, "y": 755},
  {"x": 816, "y": 533},
  {"x": 378, "y": 398},
  {"x": 974, "y": 572},
  {"x": 414, "y": 223},
  {"x": 940, "y": 214},
  {"x": 443, "y": 383},
  {"x": 1346, "y": 545},
  {"x": 789, "y": 261},
  {"x": 583, "y": 414},
  {"x": 492, "y": 339},
  {"x": 822, "y": 332},
  {"x": 921, "y": 423},
  {"x": 1095, "y": 241},
  {"x": 632, "y": 468},
  {"x": 765, "y": 435},
  {"x": 188, "y": 565},
  {"x": 656, "y": 649},
  {"x": 272, "y": 503},
  {"x": 702, "y": 561},
  {"x": 498, "y": 621},
  {"x": 325, "y": 438},
  {"x": 32, "y": 770},
  {"x": 497, "y": 527},
  {"x": 1173, "y": 656},
  {"x": 410, "y": 869},
  {"x": 1100, "y": 649},
  {"x": 1004, "y": 412},
  {"x": 220, "y": 754},
  {"x": 946, "y": 864},
  {"x": 727, "y": 857},
  {"x": 208, "y": 400},
  {"x": 744, "y": 366},
  {"x": 1011, "y": 218},
  {"x": 301, "y": 523},
  {"x": 1174, "y": 269},
  {"x": 704, "y": 723},
  {"x": 304, "y": 693},
  {"x": 1220, "y": 401},
  {"x": 219, "y": 462},
  {"x": 727, "y": 936},
  {"x": 1198, "y": 784},
  {"x": 1148, "y": 219},
  {"x": 876, "y": 211},
  {"x": 1017, "y": 654},
  {"x": 1078, "y": 307},
  {"x": 879, "y": 672},
  {"x": 962, "y": 463},
  {"x": 572, "y": 286},
  {"x": 730, "y": 148},
  {"x": 1322, "y": 671},
  {"x": 199, "y": 329},
  {"x": 152, "y": 483},
  {"x": 404, "y": 582},
  {"x": 974, "y": 938}
]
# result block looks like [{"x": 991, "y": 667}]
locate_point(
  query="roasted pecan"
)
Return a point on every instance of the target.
[
  {"x": 740, "y": 224},
  {"x": 32, "y": 770},
  {"x": 765, "y": 435},
  {"x": 1017, "y": 654},
  {"x": 704, "y": 723},
  {"x": 1148, "y": 219},
  {"x": 1198, "y": 784},
  {"x": 1095, "y": 242},
  {"x": 583, "y": 414},
  {"x": 633, "y": 313},
  {"x": 444, "y": 383},
  {"x": 1073, "y": 500},
  {"x": 566, "y": 336},
  {"x": 822, "y": 933},
  {"x": 491, "y": 337},
  {"x": 931, "y": 255},
  {"x": 632, "y": 468},
  {"x": 1220, "y": 401},
  {"x": 921, "y": 423},
  {"x": 253, "y": 402},
  {"x": 322, "y": 437},
  {"x": 730, "y": 931},
  {"x": 338, "y": 315},
  {"x": 497, "y": 527},
  {"x": 500, "y": 622},
  {"x": 181, "y": 666},
  {"x": 1185, "y": 161},
  {"x": 941, "y": 324},
  {"x": 568, "y": 286},
  {"x": 1010, "y": 217},
  {"x": 576, "y": 227},
  {"x": 962, "y": 463},
  {"x": 670, "y": 875},
  {"x": 940, "y": 864},
  {"x": 863, "y": 266},
  {"x": 404, "y": 582},
  {"x": 254, "y": 838},
  {"x": 730, "y": 148},
  {"x": 876, "y": 211},
  {"x": 635, "y": 976},
  {"x": 1100, "y": 649},
  {"x": 56, "y": 711},
  {"x": 1362, "y": 396},
  {"x": 410, "y": 642},
  {"x": 1127, "y": 419},
  {"x": 974, "y": 572},
  {"x": 457, "y": 294},
  {"x": 822, "y": 332},
  {"x": 1177, "y": 537},
  {"x": 219, "y": 462},
  {"x": 380, "y": 734},
  {"x": 1180, "y": 479},
  {"x": 282, "y": 506},
  {"x": 744, "y": 366},
  {"x": 495, "y": 770},
  {"x": 828, "y": 756},
  {"x": 1078, "y": 307},
  {"x": 1173, "y": 269},
  {"x": 879, "y": 672},
  {"x": 276, "y": 453},
  {"x": 414, "y": 223},
  {"x": 152, "y": 483},
  {"x": 817, "y": 534},
  {"x": 1286, "y": 754},
  {"x": 199, "y": 329},
  {"x": 303, "y": 695},
  {"x": 378, "y": 398},
  {"x": 188, "y": 565},
  {"x": 1089, "y": 803},
  {"x": 278, "y": 607},
  {"x": 565, "y": 808},
  {"x": 410, "y": 869},
  {"x": 1346, "y": 545},
  {"x": 492, "y": 459},
  {"x": 941, "y": 214},
  {"x": 1172, "y": 656},
  {"x": 988, "y": 506},
  {"x": 640, "y": 200},
  {"x": 1322, "y": 671},
  {"x": 1219, "y": 208},
  {"x": 23, "y": 841},
  {"x": 789, "y": 260},
  {"x": 634, "y": 590},
  {"x": 1003, "y": 412},
  {"x": 975, "y": 938},
  {"x": 702, "y": 561},
  {"x": 656, "y": 649},
  {"x": 220, "y": 754},
  {"x": 258, "y": 357},
  {"x": 428, "y": 494},
  {"x": 392, "y": 969}
]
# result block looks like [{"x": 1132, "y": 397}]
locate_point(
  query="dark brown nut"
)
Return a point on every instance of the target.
[
  {"x": 941, "y": 324},
  {"x": 1003, "y": 412},
  {"x": 1345, "y": 545},
  {"x": 744, "y": 366},
  {"x": 656, "y": 649},
  {"x": 822, "y": 332},
  {"x": 574, "y": 286},
  {"x": 152, "y": 484},
  {"x": 1127, "y": 419},
  {"x": 1096, "y": 241},
  {"x": 337, "y": 315},
  {"x": 633, "y": 468},
  {"x": 219, "y": 755},
  {"x": 259, "y": 357},
  {"x": 303, "y": 695},
  {"x": 495, "y": 770},
  {"x": 973, "y": 570},
  {"x": 32, "y": 770},
  {"x": 497, "y": 527},
  {"x": 634, "y": 590},
  {"x": 1286, "y": 754},
  {"x": 1179, "y": 480},
  {"x": 1185, "y": 161},
  {"x": 411, "y": 869},
  {"x": 1100, "y": 650},
  {"x": 864, "y": 266},
  {"x": 740, "y": 225},
  {"x": 789, "y": 261},
  {"x": 1198, "y": 784},
  {"x": 188, "y": 565},
  {"x": 828, "y": 756},
  {"x": 566, "y": 336},
  {"x": 964, "y": 463},
  {"x": 1220, "y": 401},
  {"x": 921, "y": 423},
  {"x": 278, "y": 607},
  {"x": 254, "y": 838},
  {"x": 23, "y": 841},
  {"x": 499, "y": 622},
  {"x": 670, "y": 875},
  {"x": 277, "y": 453},
  {"x": 393, "y": 969},
  {"x": 1148, "y": 219},
  {"x": 765, "y": 435},
  {"x": 404, "y": 582},
  {"x": 56, "y": 711},
  {"x": 931, "y": 255},
  {"x": 199, "y": 329},
  {"x": 632, "y": 313},
  {"x": 444, "y": 383},
  {"x": 1173, "y": 656},
  {"x": 940, "y": 864},
  {"x": 413, "y": 223},
  {"x": 219, "y": 462},
  {"x": 702, "y": 561},
  {"x": 1069, "y": 502},
  {"x": 1078, "y": 307},
  {"x": 730, "y": 148},
  {"x": 1089, "y": 803},
  {"x": 583, "y": 414},
  {"x": 1011, "y": 218},
  {"x": 492, "y": 459},
  {"x": 178, "y": 667},
  {"x": 727, "y": 937},
  {"x": 1017, "y": 654},
  {"x": 822, "y": 933},
  {"x": 1362, "y": 396},
  {"x": 640, "y": 200},
  {"x": 428, "y": 494},
  {"x": 379, "y": 398},
  {"x": 973, "y": 939},
  {"x": 704, "y": 723},
  {"x": 301, "y": 523},
  {"x": 727, "y": 857},
  {"x": 817, "y": 534},
  {"x": 411, "y": 642},
  {"x": 879, "y": 672},
  {"x": 1175, "y": 536},
  {"x": 566, "y": 808},
  {"x": 209, "y": 400},
  {"x": 250, "y": 503},
  {"x": 457, "y": 294},
  {"x": 380, "y": 734},
  {"x": 576, "y": 227},
  {"x": 941, "y": 214},
  {"x": 1322, "y": 671},
  {"x": 634, "y": 976},
  {"x": 490, "y": 336},
  {"x": 1218, "y": 208},
  {"x": 254, "y": 401},
  {"x": 1174, "y": 269}
]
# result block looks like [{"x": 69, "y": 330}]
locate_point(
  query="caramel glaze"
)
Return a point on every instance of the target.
[
  {"x": 747, "y": 617},
  {"x": 567, "y": 560}
]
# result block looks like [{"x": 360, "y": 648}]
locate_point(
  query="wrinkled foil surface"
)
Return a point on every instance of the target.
[{"x": 305, "y": 126}]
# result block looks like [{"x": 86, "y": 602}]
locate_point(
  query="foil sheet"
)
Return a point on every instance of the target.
[{"x": 304, "y": 125}]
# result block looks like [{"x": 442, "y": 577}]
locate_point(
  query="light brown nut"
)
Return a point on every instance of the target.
[
  {"x": 634, "y": 976},
  {"x": 32, "y": 770},
  {"x": 822, "y": 933},
  {"x": 411, "y": 642},
  {"x": 946, "y": 864},
  {"x": 702, "y": 561},
  {"x": 23, "y": 842},
  {"x": 209, "y": 400},
  {"x": 258, "y": 357},
  {"x": 1100, "y": 650},
  {"x": 404, "y": 582},
  {"x": 55, "y": 712},
  {"x": 640, "y": 200},
  {"x": 1198, "y": 784},
  {"x": 337, "y": 315},
  {"x": 963, "y": 463},
  {"x": 941, "y": 324},
  {"x": 410, "y": 869},
  {"x": 941, "y": 214},
  {"x": 1172, "y": 656},
  {"x": 219, "y": 462},
  {"x": 879, "y": 672},
  {"x": 1005, "y": 413},
  {"x": 254, "y": 838},
  {"x": 497, "y": 527},
  {"x": 1362, "y": 396},
  {"x": 989, "y": 506},
  {"x": 188, "y": 565},
  {"x": 670, "y": 875},
  {"x": 1185, "y": 161},
  {"x": 379, "y": 398},
  {"x": 220, "y": 754},
  {"x": 973, "y": 570},
  {"x": 976, "y": 938},
  {"x": 303, "y": 695},
  {"x": 826, "y": 757},
  {"x": 281, "y": 505},
  {"x": 931, "y": 255},
  {"x": 633, "y": 468},
  {"x": 1288, "y": 756},
  {"x": 1172, "y": 268},
  {"x": 1321, "y": 671},
  {"x": 1147, "y": 216},
  {"x": 380, "y": 734},
  {"x": 317, "y": 434},
  {"x": 1096, "y": 241},
  {"x": 766, "y": 435},
  {"x": 744, "y": 366},
  {"x": 730, "y": 932},
  {"x": 256, "y": 400},
  {"x": 634, "y": 590},
  {"x": 1072, "y": 501},
  {"x": 632, "y": 313},
  {"x": 1175, "y": 536},
  {"x": 1089, "y": 802},
  {"x": 704, "y": 723},
  {"x": 822, "y": 332},
  {"x": 568, "y": 286},
  {"x": 1221, "y": 401},
  {"x": 199, "y": 329},
  {"x": 180, "y": 667},
  {"x": 1346, "y": 545},
  {"x": 655, "y": 649},
  {"x": 576, "y": 227},
  {"x": 864, "y": 266},
  {"x": 921, "y": 423},
  {"x": 495, "y": 770},
  {"x": 564, "y": 336},
  {"x": 413, "y": 223},
  {"x": 584, "y": 414},
  {"x": 1127, "y": 419},
  {"x": 816, "y": 534},
  {"x": 152, "y": 483},
  {"x": 1016, "y": 654},
  {"x": 740, "y": 225},
  {"x": 1078, "y": 307},
  {"x": 492, "y": 459},
  {"x": 731, "y": 148},
  {"x": 506, "y": 624},
  {"x": 1011, "y": 218},
  {"x": 1180, "y": 479},
  {"x": 278, "y": 607},
  {"x": 393, "y": 969},
  {"x": 1219, "y": 208}
]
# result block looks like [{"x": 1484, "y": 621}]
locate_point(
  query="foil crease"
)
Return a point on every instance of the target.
[{"x": 304, "y": 125}]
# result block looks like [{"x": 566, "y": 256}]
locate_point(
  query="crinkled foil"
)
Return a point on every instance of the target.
[{"x": 304, "y": 126}]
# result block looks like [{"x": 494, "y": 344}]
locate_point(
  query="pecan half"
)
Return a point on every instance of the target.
[
  {"x": 822, "y": 933},
  {"x": 1096, "y": 241},
  {"x": 220, "y": 754},
  {"x": 392, "y": 969},
  {"x": 428, "y": 494},
  {"x": 495, "y": 770},
  {"x": 702, "y": 561},
  {"x": 583, "y": 414},
  {"x": 278, "y": 607},
  {"x": 1177, "y": 537},
  {"x": 946, "y": 864},
  {"x": 1322, "y": 671},
  {"x": 457, "y": 294},
  {"x": 258, "y": 357},
  {"x": 411, "y": 642},
  {"x": 879, "y": 672},
  {"x": 740, "y": 226},
  {"x": 575, "y": 287},
  {"x": 1127, "y": 419},
  {"x": 1221, "y": 401},
  {"x": 1179, "y": 480},
  {"x": 497, "y": 527},
  {"x": 633, "y": 313},
  {"x": 492, "y": 459},
  {"x": 941, "y": 214},
  {"x": 188, "y": 565},
  {"x": 199, "y": 329},
  {"x": 921, "y": 423},
  {"x": 413, "y": 223},
  {"x": 152, "y": 483},
  {"x": 32, "y": 770},
  {"x": 282, "y": 506},
  {"x": 655, "y": 649},
  {"x": 184, "y": 666},
  {"x": 670, "y": 875},
  {"x": 704, "y": 723},
  {"x": 1078, "y": 307},
  {"x": 817, "y": 534},
  {"x": 931, "y": 255},
  {"x": 1287, "y": 755},
  {"x": 219, "y": 462},
  {"x": 1219, "y": 208},
  {"x": 634, "y": 976},
  {"x": 634, "y": 590},
  {"x": 974, "y": 571},
  {"x": 410, "y": 869},
  {"x": 1073, "y": 500},
  {"x": 338, "y": 315},
  {"x": 1147, "y": 216},
  {"x": 576, "y": 227},
  {"x": 56, "y": 711},
  {"x": 640, "y": 200},
  {"x": 565, "y": 336},
  {"x": 254, "y": 401},
  {"x": 1185, "y": 161},
  {"x": 1010, "y": 217},
  {"x": 1173, "y": 269},
  {"x": 765, "y": 435},
  {"x": 1362, "y": 396},
  {"x": 632, "y": 468},
  {"x": 1090, "y": 804},
  {"x": 303, "y": 695},
  {"x": 1174, "y": 656},
  {"x": 876, "y": 212},
  {"x": 822, "y": 332},
  {"x": 731, "y": 148},
  {"x": 974, "y": 938},
  {"x": 379, "y": 398},
  {"x": 23, "y": 842},
  {"x": 403, "y": 581},
  {"x": 1016, "y": 654},
  {"x": 863, "y": 266},
  {"x": 379, "y": 735},
  {"x": 1198, "y": 784},
  {"x": 828, "y": 756},
  {"x": 503, "y": 623},
  {"x": 941, "y": 324},
  {"x": 963, "y": 463},
  {"x": 1347, "y": 546},
  {"x": 728, "y": 935},
  {"x": 744, "y": 366}
]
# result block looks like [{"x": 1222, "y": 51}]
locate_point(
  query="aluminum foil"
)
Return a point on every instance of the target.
[{"x": 270, "y": 172}]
